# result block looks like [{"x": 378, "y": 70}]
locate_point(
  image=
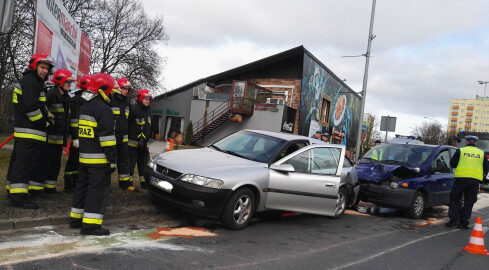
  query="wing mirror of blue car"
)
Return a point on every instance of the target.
[{"x": 282, "y": 167}]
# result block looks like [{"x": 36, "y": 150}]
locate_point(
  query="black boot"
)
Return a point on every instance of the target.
[
  {"x": 22, "y": 201},
  {"x": 68, "y": 183},
  {"x": 95, "y": 231},
  {"x": 143, "y": 185}
]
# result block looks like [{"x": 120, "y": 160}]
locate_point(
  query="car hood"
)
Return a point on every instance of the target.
[
  {"x": 376, "y": 172},
  {"x": 204, "y": 162}
]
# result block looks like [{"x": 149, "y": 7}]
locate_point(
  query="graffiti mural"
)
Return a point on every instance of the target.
[{"x": 319, "y": 85}]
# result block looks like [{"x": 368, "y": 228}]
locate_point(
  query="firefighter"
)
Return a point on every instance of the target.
[
  {"x": 71, "y": 169},
  {"x": 471, "y": 167},
  {"x": 97, "y": 157},
  {"x": 120, "y": 107},
  {"x": 139, "y": 134},
  {"x": 30, "y": 123},
  {"x": 58, "y": 104}
]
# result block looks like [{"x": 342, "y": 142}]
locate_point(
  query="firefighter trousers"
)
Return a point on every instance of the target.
[
  {"x": 50, "y": 162},
  {"x": 71, "y": 169},
  {"x": 123, "y": 164},
  {"x": 23, "y": 169},
  {"x": 139, "y": 156},
  {"x": 91, "y": 196}
]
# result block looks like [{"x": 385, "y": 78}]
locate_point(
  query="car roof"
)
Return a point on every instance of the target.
[
  {"x": 416, "y": 145},
  {"x": 285, "y": 136}
]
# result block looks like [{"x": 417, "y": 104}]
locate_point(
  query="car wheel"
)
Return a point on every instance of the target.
[
  {"x": 340, "y": 203},
  {"x": 416, "y": 208},
  {"x": 239, "y": 209}
]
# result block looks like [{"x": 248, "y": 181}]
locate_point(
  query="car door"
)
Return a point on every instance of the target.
[
  {"x": 441, "y": 177},
  {"x": 313, "y": 185}
]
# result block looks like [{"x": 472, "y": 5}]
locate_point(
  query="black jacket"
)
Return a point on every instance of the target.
[
  {"x": 120, "y": 108},
  {"x": 76, "y": 104},
  {"x": 59, "y": 105},
  {"x": 96, "y": 134},
  {"x": 30, "y": 112},
  {"x": 139, "y": 124}
]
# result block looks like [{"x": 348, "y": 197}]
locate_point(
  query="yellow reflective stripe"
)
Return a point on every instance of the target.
[
  {"x": 125, "y": 140},
  {"x": 141, "y": 123},
  {"x": 124, "y": 178},
  {"x": 49, "y": 186},
  {"x": 74, "y": 125},
  {"x": 36, "y": 117},
  {"x": 56, "y": 109},
  {"x": 132, "y": 144},
  {"x": 116, "y": 112},
  {"x": 75, "y": 215},
  {"x": 127, "y": 114},
  {"x": 18, "y": 91},
  {"x": 72, "y": 172},
  {"x": 35, "y": 188},
  {"x": 107, "y": 143},
  {"x": 93, "y": 160},
  {"x": 19, "y": 190},
  {"x": 92, "y": 221},
  {"x": 42, "y": 99},
  {"x": 87, "y": 123},
  {"x": 29, "y": 136},
  {"x": 52, "y": 141}
]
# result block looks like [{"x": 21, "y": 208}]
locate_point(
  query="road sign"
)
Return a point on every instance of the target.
[{"x": 388, "y": 123}]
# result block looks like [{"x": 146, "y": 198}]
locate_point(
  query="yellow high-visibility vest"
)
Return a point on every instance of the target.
[
  {"x": 470, "y": 163},
  {"x": 377, "y": 154}
]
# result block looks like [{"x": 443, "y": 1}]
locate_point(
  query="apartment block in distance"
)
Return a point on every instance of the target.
[{"x": 468, "y": 115}]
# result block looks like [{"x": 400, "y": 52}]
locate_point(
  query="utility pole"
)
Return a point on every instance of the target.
[{"x": 364, "y": 86}]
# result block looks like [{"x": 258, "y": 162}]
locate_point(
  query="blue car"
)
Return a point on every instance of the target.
[{"x": 410, "y": 177}]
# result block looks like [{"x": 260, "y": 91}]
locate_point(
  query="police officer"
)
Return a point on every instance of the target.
[
  {"x": 139, "y": 133},
  {"x": 58, "y": 103},
  {"x": 120, "y": 107},
  {"x": 31, "y": 120},
  {"x": 97, "y": 157},
  {"x": 71, "y": 169},
  {"x": 470, "y": 168},
  {"x": 377, "y": 152}
]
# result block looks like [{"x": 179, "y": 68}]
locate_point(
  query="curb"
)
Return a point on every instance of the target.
[{"x": 22, "y": 224}]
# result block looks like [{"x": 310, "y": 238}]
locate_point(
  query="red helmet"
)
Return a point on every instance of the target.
[
  {"x": 142, "y": 94},
  {"x": 101, "y": 81},
  {"x": 84, "y": 82},
  {"x": 39, "y": 58},
  {"x": 62, "y": 75},
  {"x": 123, "y": 82}
]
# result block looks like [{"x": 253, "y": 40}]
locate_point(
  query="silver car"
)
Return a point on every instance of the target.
[{"x": 252, "y": 171}]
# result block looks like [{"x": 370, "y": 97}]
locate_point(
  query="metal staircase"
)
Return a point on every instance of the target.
[{"x": 211, "y": 121}]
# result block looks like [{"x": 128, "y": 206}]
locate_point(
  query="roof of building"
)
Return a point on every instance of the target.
[{"x": 229, "y": 74}]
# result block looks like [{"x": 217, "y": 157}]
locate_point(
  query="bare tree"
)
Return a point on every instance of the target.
[
  {"x": 372, "y": 133},
  {"x": 431, "y": 133}
]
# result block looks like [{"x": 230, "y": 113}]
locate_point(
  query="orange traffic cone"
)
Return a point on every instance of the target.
[{"x": 476, "y": 243}]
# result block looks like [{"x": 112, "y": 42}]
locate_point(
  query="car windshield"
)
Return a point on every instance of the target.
[
  {"x": 250, "y": 145},
  {"x": 403, "y": 154}
]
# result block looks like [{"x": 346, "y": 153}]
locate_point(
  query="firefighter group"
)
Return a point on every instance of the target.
[{"x": 106, "y": 133}]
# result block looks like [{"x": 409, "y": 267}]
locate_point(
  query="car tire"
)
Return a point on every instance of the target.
[
  {"x": 416, "y": 209},
  {"x": 239, "y": 209},
  {"x": 340, "y": 203}
]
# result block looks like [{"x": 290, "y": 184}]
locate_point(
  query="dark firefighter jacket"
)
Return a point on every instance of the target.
[
  {"x": 59, "y": 105},
  {"x": 96, "y": 134},
  {"x": 139, "y": 124},
  {"x": 120, "y": 108},
  {"x": 75, "y": 106},
  {"x": 30, "y": 112}
]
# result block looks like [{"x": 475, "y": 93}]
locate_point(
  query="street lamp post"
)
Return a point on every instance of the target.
[
  {"x": 439, "y": 133},
  {"x": 483, "y": 102},
  {"x": 364, "y": 86}
]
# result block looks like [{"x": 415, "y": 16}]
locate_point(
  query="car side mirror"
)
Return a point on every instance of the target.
[{"x": 282, "y": 167}]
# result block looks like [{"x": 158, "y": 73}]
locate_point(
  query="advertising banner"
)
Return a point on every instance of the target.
[
  {"x": 58, "y": 35},
  {"x": 288, "y": 120}
]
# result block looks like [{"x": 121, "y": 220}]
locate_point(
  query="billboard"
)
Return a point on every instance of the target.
[{"x": 58, "y": 35}]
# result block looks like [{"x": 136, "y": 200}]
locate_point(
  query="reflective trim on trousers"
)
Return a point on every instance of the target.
[
  {"x": 93, "y": 218},
  {"x": 19, "y": 188},
  {"x": 99, "y": 158},
  {"x": 35, "y": 185},
  {"x": 132, "y": 143},
  {"x": 49, "y": 184},
  {"x": 76, "y": 213},
  {"x": 124, "y": 177},
  {"x": 71, "y": 173}
]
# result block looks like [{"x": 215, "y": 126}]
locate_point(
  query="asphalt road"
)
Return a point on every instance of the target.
[{"x": 371, "y": 238}]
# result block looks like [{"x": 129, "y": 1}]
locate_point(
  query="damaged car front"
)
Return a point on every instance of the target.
[{"x": 405, "y": 176}]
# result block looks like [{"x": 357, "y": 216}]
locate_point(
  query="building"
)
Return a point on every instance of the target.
[
  {"x": 468, "y": 115},
  {"x": 291, "y": 91}
]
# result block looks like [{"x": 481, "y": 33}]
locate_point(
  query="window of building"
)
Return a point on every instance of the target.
[
  {"x": 478, "y": 105},
  {"x": 477, "y": 111},
  {"x": 475, "y": 124},
  {"x": 325, "y": 109},
  {"x": 455, "y": 104},
  {"x": 470, "y": 105},
  {"x": 462, "y": 110},
  {"x": 461, "y": 117},
  {"x": 454, "y": 122},
  {"x": 467, "y": 123},
  {"x": 463, "y": 104},
  {"x": 476, "y": 118},
  {"x": 461, "y": 123}
]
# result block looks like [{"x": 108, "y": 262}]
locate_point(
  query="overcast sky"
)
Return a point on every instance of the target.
[{"x": 424, "y": 54}]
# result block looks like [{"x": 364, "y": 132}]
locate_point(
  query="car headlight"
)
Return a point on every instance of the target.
[
  {"x": 202, "y": 181},
  {"x": 151, "y": 163},
  {"x": 394, "y": 185}
]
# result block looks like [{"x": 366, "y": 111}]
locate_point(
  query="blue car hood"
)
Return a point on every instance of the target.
[{"x": 376, "y": 172}]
